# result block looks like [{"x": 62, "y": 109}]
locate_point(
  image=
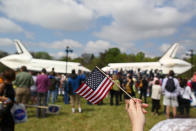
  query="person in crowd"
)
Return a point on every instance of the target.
[
  {"x": 129, "y": 90},
  {"x": 150, "y": 84},
  {"x": 120, "y": 76},
  {"x": 143, "y": 89},
  {"x": 115, "y": 90},
  {"x": 33, "y": 89},
  {"x": 171, "y": 89},
  {"x": 156, "y": 96},
  {"x": 64, "y": 84},
  {"x": 42, "y": 84},
  {"x": 23, "y": 83},
  {"x": 7, "y": 96},
  {"x": 179, "y": 97},
  {"x": 73, "y": 84},
  {"x": 136, "y": 112},
  {"x": 193, "y": 83},
  {"x": 52, "y": 87},
  {"x": 186, "y": 97},
  {"x": 59, "y": 87},
  {"x": 1, "y": 79}
]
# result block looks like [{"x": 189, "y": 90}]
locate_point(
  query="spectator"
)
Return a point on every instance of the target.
[
  {"x": 143, "y": 89},
  {"x": 171, "y": 90},
  {"x": 1, "y": 79},
  {"x": 33, "y": 89},
  {"x": 64, "y": 84},
  {"x": 59, "y": 87},
  {"x": 115, "y": 91},
  {"x": 186, "y": 97},
  {"x": 52, "y": 87},
  {"x": 7, "y": 95},
  {"x": 42, "y": 84},
  {"x": 193, "y": 83},
  {"x": 129, "y": 90},
  {"x": 73, "y": 84},
  {"x": 156, "y": 96},
  {"x": 23, "y": 83}
]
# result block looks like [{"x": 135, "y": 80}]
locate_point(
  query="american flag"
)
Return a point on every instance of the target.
[{"x": 95, "y": 87}]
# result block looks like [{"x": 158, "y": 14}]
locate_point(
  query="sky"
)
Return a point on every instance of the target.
[{"x": 93, "y": 26}]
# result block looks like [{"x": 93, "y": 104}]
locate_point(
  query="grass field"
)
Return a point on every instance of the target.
[{"x": 93, "y": 118}]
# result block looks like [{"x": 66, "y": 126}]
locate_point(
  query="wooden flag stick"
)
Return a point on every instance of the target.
[{"x": 115, "y": 83}]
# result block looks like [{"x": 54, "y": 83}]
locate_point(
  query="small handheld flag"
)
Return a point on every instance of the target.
[{"x": 95, "y": 87}]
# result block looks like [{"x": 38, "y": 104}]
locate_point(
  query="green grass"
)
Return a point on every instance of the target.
[{"x": 93, "y": 118}]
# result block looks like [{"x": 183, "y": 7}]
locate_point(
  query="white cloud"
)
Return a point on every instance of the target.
[
  {"x": 7, "y": 26},
  {"x": 97, "y": 46},
  {"x": 133, "y": 19},
  {"x": 61, "y": 44},
  {"x": 52, "y": 14},
  {"x": 5, "y": 42},
  {"x": 62, "y": 54}
]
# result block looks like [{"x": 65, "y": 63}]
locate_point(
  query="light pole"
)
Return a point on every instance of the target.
[{"x": 67, "y": 50}]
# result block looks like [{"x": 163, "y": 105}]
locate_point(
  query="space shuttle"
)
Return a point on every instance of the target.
[
  {"x": 24, "y": 58},
  {"x": 166, "y": 63}
]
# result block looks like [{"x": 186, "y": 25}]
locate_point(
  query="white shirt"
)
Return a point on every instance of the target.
[
  {"x": 171, "y": 94},
  {"x": 156, "y": 92},
  {"x": 186, "y": 94}
]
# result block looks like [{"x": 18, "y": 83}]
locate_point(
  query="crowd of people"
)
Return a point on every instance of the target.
[
  {"x": 176, "y": 92},
  {"x": 39, "y": 89},
  {"x": 43, "y": 88}
]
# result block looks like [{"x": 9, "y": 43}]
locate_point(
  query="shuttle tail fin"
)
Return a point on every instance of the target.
[
  {"x": 21, "y": 49},
  {"x": 171, "y": 52}
]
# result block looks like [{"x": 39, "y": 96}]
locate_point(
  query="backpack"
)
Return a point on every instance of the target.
[{"x": 170, "y": 85}]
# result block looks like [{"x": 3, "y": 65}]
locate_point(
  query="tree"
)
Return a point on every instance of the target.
[
  {"x": 41, "y": 55},
  {"x": 3, "y": 54},
  {"x": 140, "y": 57}
]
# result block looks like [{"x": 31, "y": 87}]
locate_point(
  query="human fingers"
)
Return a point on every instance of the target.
[
  {"x": 137, "y": 100},
  {"x": 132, "y": 105},
  {"x": 144, "y": 105},
  {"x": 139, "y": 106},
  {"x": 144, "y": 111}
]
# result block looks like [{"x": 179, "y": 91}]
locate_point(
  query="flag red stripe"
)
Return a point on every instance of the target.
[
  {"x": 104, "y": 94},
  {"x": 101, "y": 93},
  {"x": 88, "y": 89},
  {"x": 79, "y": 87},
  {"x": 82, "y": 89},
  {"x": 94, "y": 92},
  {"x": 97, "y": 90},
  {"x": 89, "y": 93}
]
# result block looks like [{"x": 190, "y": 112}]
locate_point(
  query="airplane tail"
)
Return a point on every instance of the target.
[
  {"x": 21, "y": 49},
  {"x": 171, "y": 52}
]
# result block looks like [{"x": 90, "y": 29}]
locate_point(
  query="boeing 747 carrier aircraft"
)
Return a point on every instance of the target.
[{"x": 166, "y": 63}]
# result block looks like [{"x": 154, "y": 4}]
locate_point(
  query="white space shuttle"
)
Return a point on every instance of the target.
[
  {"x": 24, "y": 58},
  {"x": 166, "y": 63}
]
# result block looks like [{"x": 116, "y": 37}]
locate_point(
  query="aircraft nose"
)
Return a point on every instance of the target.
[{"x": 1, "y": 60}]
